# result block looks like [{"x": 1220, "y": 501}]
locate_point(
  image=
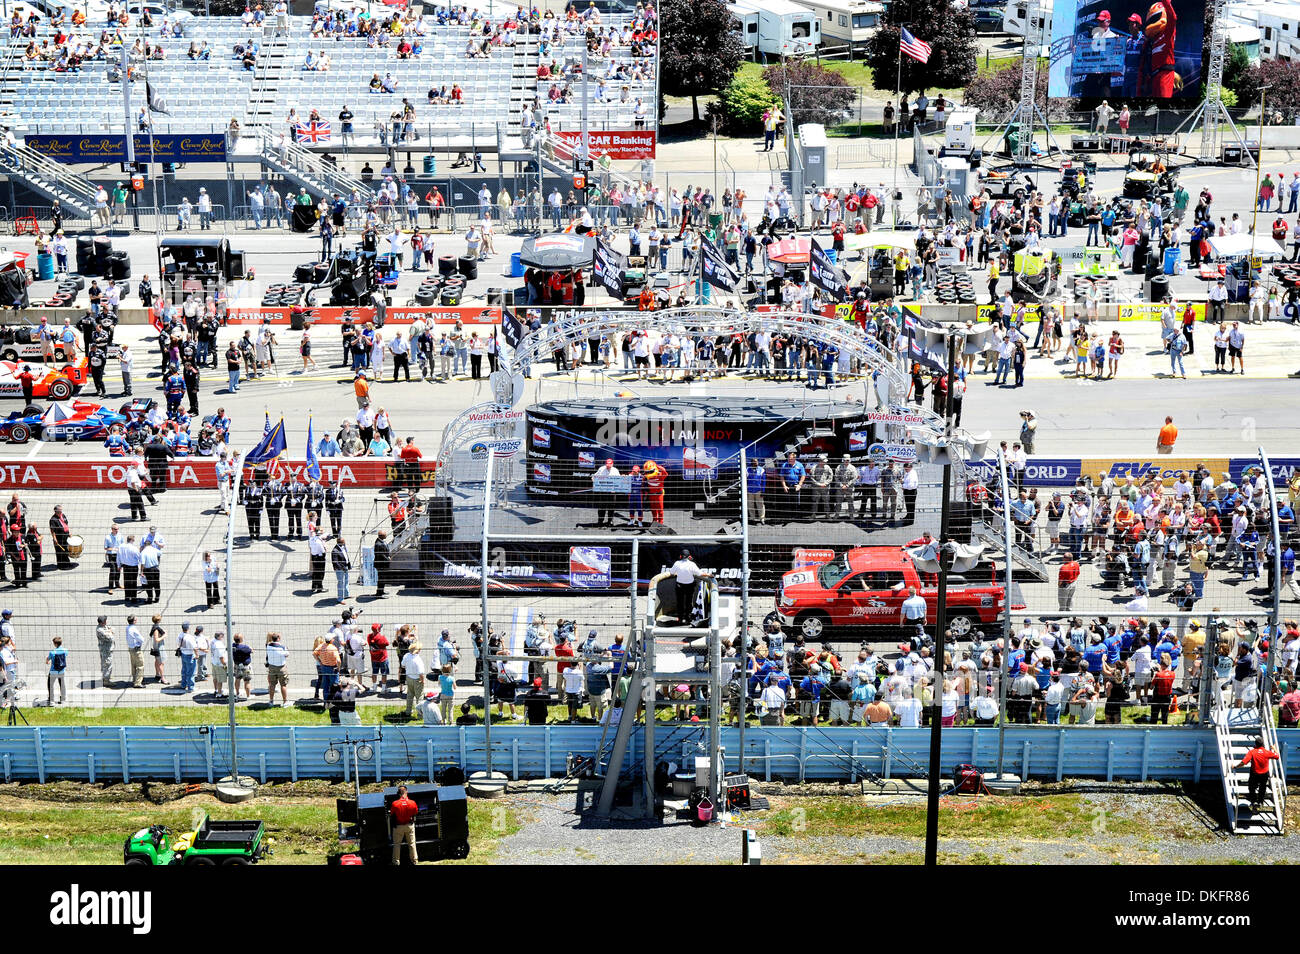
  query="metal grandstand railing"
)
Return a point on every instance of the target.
[
  {"x": 49, "y": 178},
  {"x": 306, "y": 168}
]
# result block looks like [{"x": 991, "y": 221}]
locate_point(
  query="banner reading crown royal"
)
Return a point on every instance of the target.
[{"x": 168, "y": 147}]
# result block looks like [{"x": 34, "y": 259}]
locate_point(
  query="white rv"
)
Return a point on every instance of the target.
[
  {"x": 1015, "y": 18},
  {"x": 846, "y": 22},
  {"x": 776, "y": 28},
  {"x": 1278, "y": 25},
  {"x": 745, "y": 22}
]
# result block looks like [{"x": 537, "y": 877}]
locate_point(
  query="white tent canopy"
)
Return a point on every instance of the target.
[{"x": 1235, "y": 246}]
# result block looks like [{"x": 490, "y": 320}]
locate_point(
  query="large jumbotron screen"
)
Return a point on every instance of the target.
[{"x": 1126, "y": 50}]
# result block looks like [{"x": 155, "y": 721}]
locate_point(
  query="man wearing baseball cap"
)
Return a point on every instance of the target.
[{"x": 537, "y": 702}]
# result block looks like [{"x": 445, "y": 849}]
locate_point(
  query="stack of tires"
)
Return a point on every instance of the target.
[
  {"x": 453, "y": 289},
  {"x": 86, "y": 255},
  {"x": 282, "y": 296},
  {"x": 428, "y": 292},
  {"x": 65, "y": 294},
  {"x": 119, "y": 266}
]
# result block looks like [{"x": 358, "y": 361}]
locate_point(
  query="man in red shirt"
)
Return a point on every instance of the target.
[
  {"x": 1162, "y": 693},
  {"x": 1257, "y": 758},
  {"x": 563, "y": 648},
  {"x": 869, "y": 203},
  {"x": 28, "y": 382},
  {"x": 378, "y": 644},
  {"x": 1067, "y": 581},
  {"x": 403, "y": 812},
  {"x": 411, "y": 458},
  {"x": 1288, "y": 710}
]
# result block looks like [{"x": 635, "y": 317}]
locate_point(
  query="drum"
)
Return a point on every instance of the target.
[{"x": 75, "y": 545}]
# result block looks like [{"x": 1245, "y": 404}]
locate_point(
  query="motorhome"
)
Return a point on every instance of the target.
[
  {"x": 771, "y": 29},
  {"x": 1015, "y": 17},
  {"x": 847, "y": 22},
  {"x": 1278, "y": 25}
]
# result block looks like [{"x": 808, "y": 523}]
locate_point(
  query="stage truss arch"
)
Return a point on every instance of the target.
[{"x": 887, "y": 371}]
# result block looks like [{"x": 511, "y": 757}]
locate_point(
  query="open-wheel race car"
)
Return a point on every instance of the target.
[
  {"x": 55, "y": 383},
  {"x": 61, "y": 421}
]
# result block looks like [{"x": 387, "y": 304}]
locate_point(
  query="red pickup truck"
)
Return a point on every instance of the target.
[{"x": 865, "y": 588}]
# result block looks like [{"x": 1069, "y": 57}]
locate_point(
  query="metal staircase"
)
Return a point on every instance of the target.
[
  {"x": 523, "y": 77},
  {"x": 1235, "y": 731},
  {"x": 1019, "y": 555},
  {"x": 272, "y": 66},
  {"x": 307, "y": 170},
  {"x": 668, "y": 653},
  {"x": 51, "y": 179}
]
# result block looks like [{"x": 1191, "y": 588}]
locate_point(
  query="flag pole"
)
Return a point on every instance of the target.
[{"x": 898, "y": 109}]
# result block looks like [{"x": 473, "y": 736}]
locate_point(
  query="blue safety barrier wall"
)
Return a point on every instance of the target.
[{"x": 268, "y": 753}]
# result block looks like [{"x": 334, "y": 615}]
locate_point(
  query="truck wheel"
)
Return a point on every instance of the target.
[
  {"x": 136, "y": 861},
  {"x": 234, "y": 861},
  {"x": 961, "y": 626},
  {"x": 812, "y": 624},
  {"x": 203, "y": 860},
  {"x": 61, "y": 390},
  {"x": 461, "y": 850}
]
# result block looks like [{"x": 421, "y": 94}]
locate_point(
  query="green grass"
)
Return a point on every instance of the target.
[
  {"x": 260, "y": 714},
  {"x": 1054, "y": 818},
  {"x": 54, "y": 828}
]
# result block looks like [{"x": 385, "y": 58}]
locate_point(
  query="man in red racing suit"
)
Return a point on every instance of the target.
[{"x": 1157, "y": 77}]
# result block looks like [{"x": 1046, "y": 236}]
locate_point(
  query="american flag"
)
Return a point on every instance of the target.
[
  {"x": 918, "y": 50},
  {"x": 316, "y": 131}
]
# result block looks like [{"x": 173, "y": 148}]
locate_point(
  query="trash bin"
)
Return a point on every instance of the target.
[
  {"x": 430, "y": 165},
  {"x": 516, "y": 266},
  {"x": 44, "y": 267},
  {"x": 1173, "y": 256},
  {"x": 1159, "y": 288},
  {"x": 715, "y": 220}
]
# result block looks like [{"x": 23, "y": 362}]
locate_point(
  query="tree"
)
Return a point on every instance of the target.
[
  {"x": 950, "y": 33},
  {"x": 1236, "y": 67},
  {"x": 1283, "y": 79},
  {"x": 742, "y": 103},
  {"x": 993, "y": 94},
  {"x": 817, "y": 95},
  {"x": 699, "y": 51}
]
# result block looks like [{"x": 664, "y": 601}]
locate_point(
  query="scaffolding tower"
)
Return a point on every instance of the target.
[{"x": 1211, "y": 114}]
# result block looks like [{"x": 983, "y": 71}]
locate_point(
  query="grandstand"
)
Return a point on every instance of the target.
[{"x": 205, "y": 95}]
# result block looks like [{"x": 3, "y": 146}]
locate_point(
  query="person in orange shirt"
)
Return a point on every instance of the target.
[
  {"x": 655, "y": 476},
  {"x": 396, "y": 512},
  {"x": 1168, "y": 434},
  {"x": 361, "y": 386},
  {"x": 403, "y": 810},
  {"x": 412, "y": 457},
  {"x": 1257, "y": 758}
]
